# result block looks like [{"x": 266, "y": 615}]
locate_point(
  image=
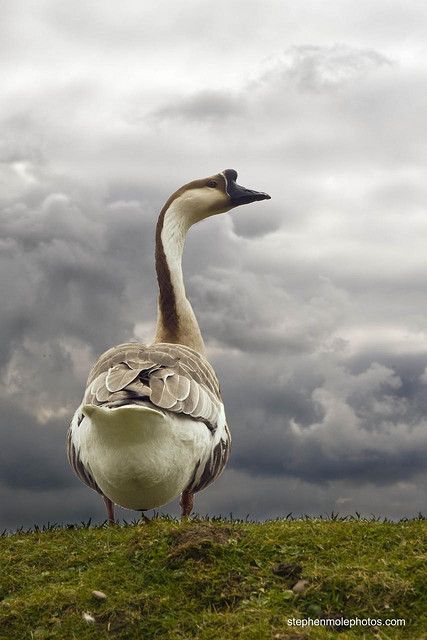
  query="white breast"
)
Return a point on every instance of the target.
[{"x": 140, "y": 458}]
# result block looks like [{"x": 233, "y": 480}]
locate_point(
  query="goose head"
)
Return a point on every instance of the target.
[{"x": 210, "y": 196}]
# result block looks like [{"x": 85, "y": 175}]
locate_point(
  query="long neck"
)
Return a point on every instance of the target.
[{"x": 176, "y": 321}]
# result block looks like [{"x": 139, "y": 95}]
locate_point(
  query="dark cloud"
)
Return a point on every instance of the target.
[
  {"x": 320, "y": 68},
  {"x": 35, "y": 454},
  {"x": 325, "y": 424},
  {"x": 204, "y": 106}
]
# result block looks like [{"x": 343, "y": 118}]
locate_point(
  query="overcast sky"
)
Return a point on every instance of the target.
[{"x": 313, "y": 305}]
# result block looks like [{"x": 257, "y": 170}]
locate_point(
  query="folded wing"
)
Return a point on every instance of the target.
[{"x": 171, "y": 377}]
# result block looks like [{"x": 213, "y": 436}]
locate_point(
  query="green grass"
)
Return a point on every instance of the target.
[{"x": 213, "y": 579}]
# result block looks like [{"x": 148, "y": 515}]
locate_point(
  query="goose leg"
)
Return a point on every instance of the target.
[
  {"x": 110, "y": 511},
  {"x": 186, "y": 502}
]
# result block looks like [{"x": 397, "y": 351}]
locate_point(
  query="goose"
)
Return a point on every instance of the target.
[{"x": 151, "y": 425}]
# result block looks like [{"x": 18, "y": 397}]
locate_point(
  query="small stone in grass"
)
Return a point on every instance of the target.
[
  {"x": 300, "y": 586},
  {"x": 288, "y": 570},
  {"x": 99, "y": 595},
  {"x": 88, "y": 618}
]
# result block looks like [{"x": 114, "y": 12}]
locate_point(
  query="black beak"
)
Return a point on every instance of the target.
[{"x": 240, "y": 195}]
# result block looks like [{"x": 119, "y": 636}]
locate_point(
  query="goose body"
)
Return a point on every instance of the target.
[{"x": 151, "y": 425}]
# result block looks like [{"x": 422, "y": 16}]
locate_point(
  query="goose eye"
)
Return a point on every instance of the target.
[{"x": 212, "y": 183}]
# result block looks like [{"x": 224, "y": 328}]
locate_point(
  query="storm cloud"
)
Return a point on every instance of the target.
[{"x": 313, "y": 305}]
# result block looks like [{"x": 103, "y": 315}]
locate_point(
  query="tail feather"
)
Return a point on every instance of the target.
[{"x": 115, "y": 414}]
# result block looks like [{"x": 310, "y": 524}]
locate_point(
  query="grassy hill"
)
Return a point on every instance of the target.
[{"x": 214, "y": 579}]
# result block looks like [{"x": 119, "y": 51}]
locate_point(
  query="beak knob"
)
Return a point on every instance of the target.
[{"x": 240, "y": 195}]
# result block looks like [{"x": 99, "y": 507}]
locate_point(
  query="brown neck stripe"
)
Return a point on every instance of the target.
[{"x": 167, "y": 300}]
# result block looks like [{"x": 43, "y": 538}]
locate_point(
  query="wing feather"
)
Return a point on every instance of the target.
[
  {"x": 99, "y": 389},
  {"x": 119, "y": 376},
  {"x": 190, "y": 402}
]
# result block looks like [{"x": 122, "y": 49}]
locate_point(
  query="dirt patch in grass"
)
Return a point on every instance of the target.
[
  {"x": 196, "y": 533},
  {"x": 198, "y": 542},
  {"x": 225, "y": 591}
]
